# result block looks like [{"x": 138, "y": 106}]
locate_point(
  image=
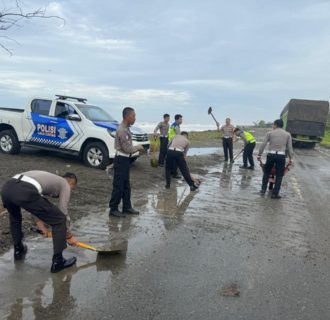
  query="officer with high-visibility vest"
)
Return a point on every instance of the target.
[
  {"x": 249, "y": 145},
  {"x": 175, "y": 130}
]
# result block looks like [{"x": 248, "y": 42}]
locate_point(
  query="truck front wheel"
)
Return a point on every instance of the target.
[
  {"x": 96, "y": 155},
  {"x": 9, "y": 143}
]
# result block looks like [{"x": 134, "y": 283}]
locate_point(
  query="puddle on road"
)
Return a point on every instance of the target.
[
  {"x": 203, "y": 151},
  {"x": 228, "y": 199}
]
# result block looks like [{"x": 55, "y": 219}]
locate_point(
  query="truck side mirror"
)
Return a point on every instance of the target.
[{"x": 74, "y": 117}]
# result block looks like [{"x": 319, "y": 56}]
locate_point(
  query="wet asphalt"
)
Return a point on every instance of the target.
[{"x": 185, "y": 248}]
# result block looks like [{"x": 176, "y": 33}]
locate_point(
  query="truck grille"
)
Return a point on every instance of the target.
[{"x": 140, "y": 137}]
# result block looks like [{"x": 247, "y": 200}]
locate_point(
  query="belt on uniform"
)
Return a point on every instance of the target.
[
  {"x": 119, "y": 153},
  {"x": 176, "y": 149},
  {"x": 276, "y": 152},
  {"x": 27, "y": 179},
  {"x": 227, "y": 137},
  {"x": 164, "y": 136}
]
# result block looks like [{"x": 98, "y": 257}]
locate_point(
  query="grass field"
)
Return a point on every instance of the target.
[{"x": 326, "y": 140}]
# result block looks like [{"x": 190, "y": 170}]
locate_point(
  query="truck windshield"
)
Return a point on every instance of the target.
[{"x": 94, "y": 113}]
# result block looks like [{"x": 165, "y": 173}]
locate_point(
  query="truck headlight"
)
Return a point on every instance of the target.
[{"x": 112, "y": 133}]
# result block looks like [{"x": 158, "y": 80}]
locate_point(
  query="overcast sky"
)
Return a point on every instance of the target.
[{"x": 245, "y": 58}]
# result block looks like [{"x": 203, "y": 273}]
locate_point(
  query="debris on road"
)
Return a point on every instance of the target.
[{"x": 230, "y": 290}]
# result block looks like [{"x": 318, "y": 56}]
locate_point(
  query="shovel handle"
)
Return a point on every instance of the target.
[{"x": 86, "y": 246}]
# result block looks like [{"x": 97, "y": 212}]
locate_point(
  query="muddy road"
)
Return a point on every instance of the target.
[{"x": 184, "y": 249}]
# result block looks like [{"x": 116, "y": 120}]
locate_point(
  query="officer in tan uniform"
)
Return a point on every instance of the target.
[
  {"x": 176, "y": 156},
  {"x": 280, "y": 144},
  {"x": 163, "y": 128},
  {"x": 121, "y": 189}
]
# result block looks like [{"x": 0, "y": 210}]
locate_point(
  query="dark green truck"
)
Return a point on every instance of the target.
[{"x": 306, "y": 121}]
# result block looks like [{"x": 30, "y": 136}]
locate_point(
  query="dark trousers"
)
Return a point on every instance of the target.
[
  {"x": 162, "y": 150},
  {"x": 248, "y": 154},
  {"x": 121, "y": 189},
  {"x": 279, "y": 161},
  {"x": 227, "y": 144},
  {"x": 176, "y": 159},
  {"x": 17, "y": 194}
]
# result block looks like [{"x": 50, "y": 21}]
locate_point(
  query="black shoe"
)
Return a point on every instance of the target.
[
  {"x": 250, "y": 167},
  {"x": 176, "y": 176},
  {"x": 59, "y": 263},
  {"x": 117, "y": 213},
  {"x": 243, "y": 167},
  {"x": 131, "y": 211},
  {"x": 232, "y": 161},
  {"x": 275, "y": 196},
  {"x": 20, "y": 251},
  {"x": 167, "y": 186},
  {"x": 193, "y": 188},
  {"x": 262, "y": 191}
]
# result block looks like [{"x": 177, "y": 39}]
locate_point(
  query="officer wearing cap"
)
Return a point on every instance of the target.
[
  {"x": 121, "y": 189},
  {"x": 176, "y": 156},
  {"x": 280, "y": 142}
]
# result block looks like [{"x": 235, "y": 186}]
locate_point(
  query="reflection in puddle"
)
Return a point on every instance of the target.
[{"x": 202, "y": 151}]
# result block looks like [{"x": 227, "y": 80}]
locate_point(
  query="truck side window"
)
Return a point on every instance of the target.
[
  {"x": 40, "y": 106},
  {"x": 62, "y": 110}
]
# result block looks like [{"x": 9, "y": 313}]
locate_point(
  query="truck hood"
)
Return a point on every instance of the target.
[{"x": 113, "y": 126}]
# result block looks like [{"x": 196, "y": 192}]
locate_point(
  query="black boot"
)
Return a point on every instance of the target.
[
  {"x": 20, "y": 251},
  {"x": 59, "y": 263}
]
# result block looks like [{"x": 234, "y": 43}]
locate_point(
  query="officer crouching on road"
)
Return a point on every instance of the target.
[
  {"x": 176, "y": 157},
  {"x": 279, "y": 141},
  {"x": 124, "y": 151},
  {"x": 26, "y": 190}
]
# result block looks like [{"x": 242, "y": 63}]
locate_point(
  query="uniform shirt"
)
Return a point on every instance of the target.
[
  {"x": 180, "y": 142},
  {"x": 279, "y": 140},
  {"x": 123, "y": 140},
  {"x": 174, "y": 130},
  {"x": 227, "y": 130},
  {"x": 54, "y": 186},
  {"x": 163, "y": 129}
]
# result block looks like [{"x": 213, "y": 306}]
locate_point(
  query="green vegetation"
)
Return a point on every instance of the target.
[{"x": 326, "y": 140}]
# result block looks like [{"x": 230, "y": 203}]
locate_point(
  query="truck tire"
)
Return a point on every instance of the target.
[
  {"x": 95, "y": 155},
  {"x": 9, "y": 143}
]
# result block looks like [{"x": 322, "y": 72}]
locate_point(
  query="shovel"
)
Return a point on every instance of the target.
[
  {"x": 238, "y": 154},
  {"x": 83, "y": 245},
  {"x": 209, "y": 111}
]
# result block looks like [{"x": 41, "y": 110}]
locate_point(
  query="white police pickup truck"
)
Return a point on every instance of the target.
[{"x": 66, "y": 124}]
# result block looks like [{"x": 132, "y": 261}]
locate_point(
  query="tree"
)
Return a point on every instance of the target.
[
  {"x": 11, "y": 17},
  {"x": 260, "y": 124}
]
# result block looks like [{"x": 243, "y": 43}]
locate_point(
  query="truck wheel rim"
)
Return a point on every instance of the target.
[
  {"x": 6, "y": 143},
  {"x": 95, "y": 156}
]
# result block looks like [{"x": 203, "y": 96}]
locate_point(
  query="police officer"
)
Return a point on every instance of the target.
[
  {"x": 163, "y": 128},
  {"x": 227, "y": 131},
  {"x": 249, "y": 145},
  {"x": 176, "y": 156},
  {"x": 280, "y": 142},
  {"x": 121, "y": 189},
  {"x": 175, "y": 130},
  {"x": 26, "y": 190}
]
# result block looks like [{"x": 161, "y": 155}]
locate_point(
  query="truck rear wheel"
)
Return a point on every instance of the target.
[
  {"x": 96, "y": 155},
  {"x": 9, "y": 143}
]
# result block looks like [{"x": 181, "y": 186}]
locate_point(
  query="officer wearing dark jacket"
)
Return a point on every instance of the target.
[
  {"x": 26, "y": 190},
  {"x": 280, "y": 143},
  {"x": 121, "y": 189},
  {"x": 176, "y": 157}
]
